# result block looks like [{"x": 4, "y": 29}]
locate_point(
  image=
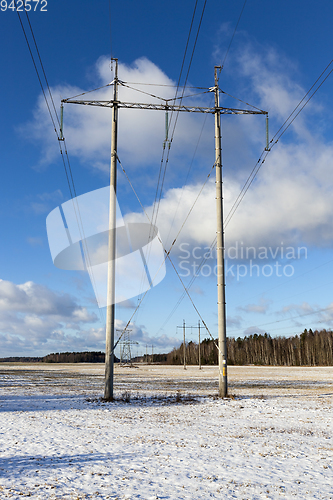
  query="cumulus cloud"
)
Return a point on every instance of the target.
[
  {"x": 45, "y": 202},
  {"x": 31, "y": 298},
  {"x": 35, "y": 241},
  {"x": 35, "y": 320},
  {"x": 139, "y": 334},
  {"x": 289, "y": 202},
  {"x": 290, "y": 199},
  {"x": 311, "y": 313},
  {"x": 292, "y": 309},
  {"x": 234, "y": 321},
  {"x": 33, "y": 315},
  {"x": 141, "y": 133},
  {"x": 261, "y": 308},
  {"x": 56, "y": 341},
  {"x": 251, "y": 330}
]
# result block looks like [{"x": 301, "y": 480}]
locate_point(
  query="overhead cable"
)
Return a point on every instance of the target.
[
  {"x": 253, "y": 174},
  {"x": 233, "y": 35},
  {"x": 167, "y": 254},
  {"x": 292, "y": 317},
  {"x": 68, "y": 170},
  {"x": 164, "y": 163}
]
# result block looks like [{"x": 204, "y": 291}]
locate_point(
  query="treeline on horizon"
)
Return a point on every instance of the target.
[
  {"x": 62, "y": 357},
  {"x": 310, "y": 348}
]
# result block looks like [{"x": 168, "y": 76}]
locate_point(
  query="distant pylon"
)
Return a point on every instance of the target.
[{"x": 125, "y": 348}]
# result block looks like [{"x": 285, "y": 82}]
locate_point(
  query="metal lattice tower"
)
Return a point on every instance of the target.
[{"x": 125, "y": 348}]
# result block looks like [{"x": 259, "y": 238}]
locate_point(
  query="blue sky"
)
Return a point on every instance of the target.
[{"x": 277, "y": 53}]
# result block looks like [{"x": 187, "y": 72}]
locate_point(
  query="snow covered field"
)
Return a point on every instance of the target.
[{"x": 173, "y": 439}]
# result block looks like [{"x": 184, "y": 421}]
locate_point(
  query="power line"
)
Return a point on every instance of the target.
[
  {"x": 42, "y": 66},
  {"x": 160, "y": 182},
  {"x": 167, "y": 256},
  {"x": 304, "y": 98},
  {"x": 164, "y": 164},
  {"x": 189, "y": 66},
  {"x": 110, "y": 24},
  {"x": 265, "y": 153},
  {"x": 188, "y": 213},
  {"x": 233, "y": 35},
  {"x": 159, "y": 190},
  {"x": 36, "y": 69},
  {"x": 177, "y": 113},
  {"x": 306, "y": 102},
  {"x": 251, "y": 178},
  {"x": 288, "y": 319},
  {"x": 240, "y": 100},
  {"x": 183, "y": 295},
  {"x": 188, "y": 172},
  {"x": 291, "y": 279},
  {"x": 164, "y": 99},
  {"x": 186, "y": 47},
  {"x": 68, "y": 170},
  {"x": 93, "y": 90}
]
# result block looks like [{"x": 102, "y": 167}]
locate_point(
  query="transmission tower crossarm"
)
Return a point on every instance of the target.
[{"x": 164, "y": 107}]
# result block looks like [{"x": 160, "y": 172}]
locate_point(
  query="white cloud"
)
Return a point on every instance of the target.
[
  {"x": 35, "y": 241},
  {"x": 139, "y": 334},
  {"x": 234, "y": 321},
  {"x": 299, "y": 309},
  {"x": 261, "y": 308},
  {"x": 31, "y": 298},
  {"x": 305, "y": 312},
  {"x": 289, "y": 202},
  {"x": 46, "y": 201},
  {"x": 141, "y": 133},
  {"x": 253, "y": 330},
  {"x": 33, "y": 315},
  {"x": 56, "y": 341},
  {"x": 35, "y": 320}
]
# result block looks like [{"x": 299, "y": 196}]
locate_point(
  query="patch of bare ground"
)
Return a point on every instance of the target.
[{"x": 157, "y": 380}]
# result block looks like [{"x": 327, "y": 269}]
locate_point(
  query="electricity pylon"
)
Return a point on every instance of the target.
[
  {"x": 217, "y": 110},
  {"x": 199, "y": 346},
  {"x": 125, "y": 347}
]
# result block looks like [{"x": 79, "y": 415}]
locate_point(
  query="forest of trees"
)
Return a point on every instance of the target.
[
  {"x": 309, "y": 348},
  {"x": 63, "y": 357},
  {"x": 151, "y": 358}
]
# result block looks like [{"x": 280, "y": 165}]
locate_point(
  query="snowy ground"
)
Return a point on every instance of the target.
[{"x": 173, "y": 440}]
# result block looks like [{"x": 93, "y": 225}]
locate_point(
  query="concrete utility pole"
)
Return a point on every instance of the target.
[
  {"x": 166, "y": 106},
  {"x": 184, "y": 329},
  {"x": 199, "y": 346},
  {"x": 223, "y": 384},
  {"x": 184, "y": 346},
  {"x": 111, "y": 292}
]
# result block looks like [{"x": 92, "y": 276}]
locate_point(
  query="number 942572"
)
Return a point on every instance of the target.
[{"x": 25, "y": 5}]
